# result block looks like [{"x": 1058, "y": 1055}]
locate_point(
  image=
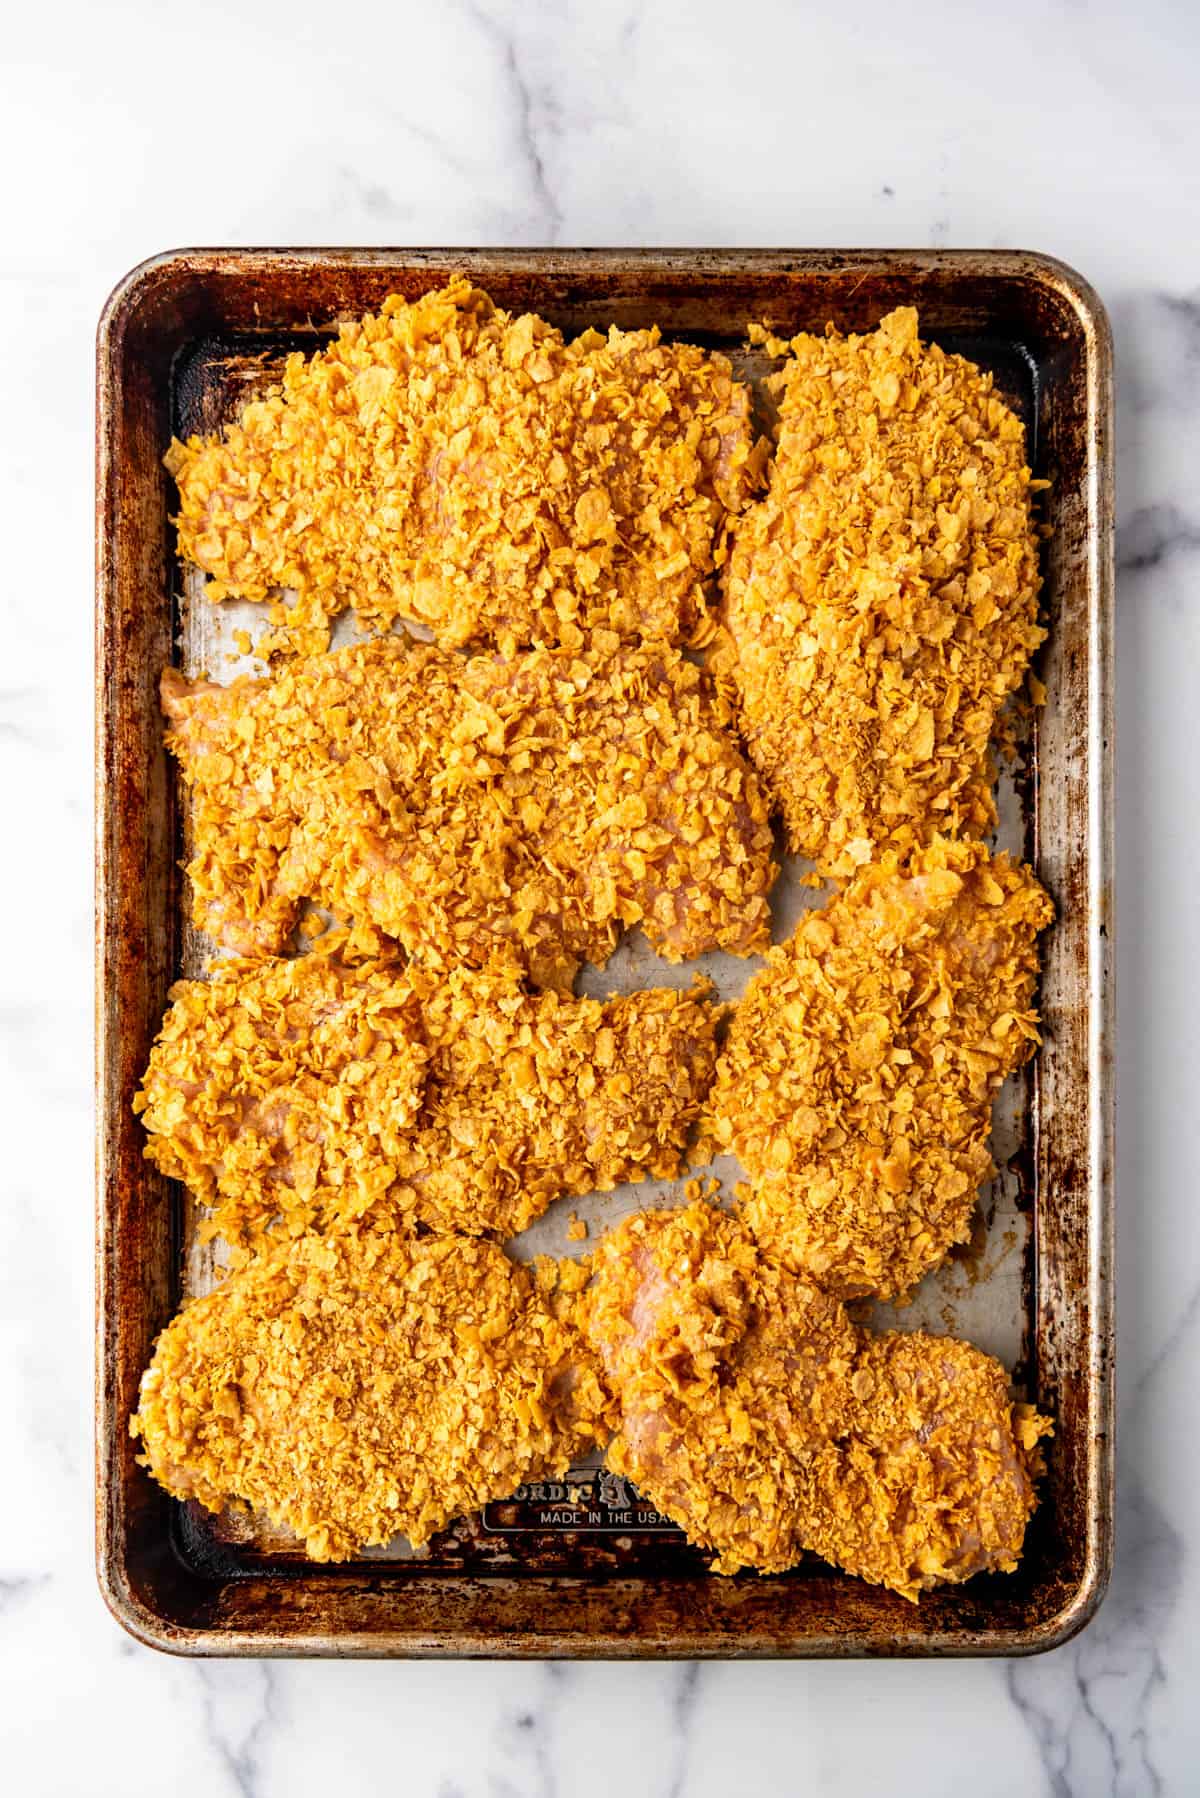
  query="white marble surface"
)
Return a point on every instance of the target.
[{"x": 130, "y": 127}]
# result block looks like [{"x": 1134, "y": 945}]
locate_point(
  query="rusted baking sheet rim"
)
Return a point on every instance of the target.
[{"x": 160, "y": 1590}]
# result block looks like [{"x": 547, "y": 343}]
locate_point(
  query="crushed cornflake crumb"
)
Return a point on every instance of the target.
[
  {"x": 446, "y": 462},
  {"x": 881, "y": 600},
  {"x": 363, "y": 1386},
  {"x": 469, "y": 805},
  {"x": 857, "y": 1079},
  {"x": 766, "y": 1423},
  {"x": 315, "y": 1092},
  {"x": 577, "y": 1230}
]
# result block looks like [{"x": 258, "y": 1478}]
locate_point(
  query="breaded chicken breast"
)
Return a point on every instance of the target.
[
  {"x": 317, "y": 1091},
  {"x": 881, "y": 599},
  {"x": 362, "y": 1386},
  {"x": 464, "y": 806},
  {"x": 934, "y": 1481},
  {"x": 446, "y": 462},
  {"x": 728, "y": 1372},
  {"x": 765, "y": 1423},
  {"x": 857, "y": 1080}
]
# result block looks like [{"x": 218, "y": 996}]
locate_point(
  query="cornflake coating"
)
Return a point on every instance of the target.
[
  {"x": 446, "y": 462},
  {"x": 935, "y": 1480},
  {"x": 765, "y": 1423},
  {"x": 315, "y": 1092},
  {"x": 358, "y": 1387},
  {"x": 881, "y": 600},
  {"x": 857, "y": 1079},
  {"x": 727, "y": 1371},
  {"x": 469, "y": 805}
]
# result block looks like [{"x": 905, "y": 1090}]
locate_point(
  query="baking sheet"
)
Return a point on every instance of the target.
[{"x": 181, "y": 343}]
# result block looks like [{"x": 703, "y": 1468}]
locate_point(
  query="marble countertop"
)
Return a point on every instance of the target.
[{"x": 129, "y": 128}]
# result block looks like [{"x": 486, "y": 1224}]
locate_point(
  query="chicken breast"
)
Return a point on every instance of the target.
[
  {"x": 935, "y": 1480},
  {"x": 857, "y": 1080},
  {"x": 728, "y": 1373},
  {"x": 881, "y": 599},
  {"x": 314, "y": 1092},
  {"x": 446, "y": 462},
  {"x": 467, "y": 806},
  {"x": 362, "y": 1386},
  {"x": 767, "y": 1425}
]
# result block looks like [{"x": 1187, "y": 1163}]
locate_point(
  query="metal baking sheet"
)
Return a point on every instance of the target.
[{"x": 1032, "y": 1284}]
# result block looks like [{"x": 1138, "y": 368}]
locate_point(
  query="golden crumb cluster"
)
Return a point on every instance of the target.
[
  {"x": 858, "y": 1077},
  {"x": 760, "y": 1418},
  {"x": 318, "y": 1092},
  {"x": 467, "y": 805},
  {"x": 446, "y": 462},
  {"x": 881, "y": 600},
  {"x": 358, "y": 1386}
]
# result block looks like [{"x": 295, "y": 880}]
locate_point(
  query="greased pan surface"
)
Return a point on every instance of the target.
[{"x": 183, "y": 342}]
